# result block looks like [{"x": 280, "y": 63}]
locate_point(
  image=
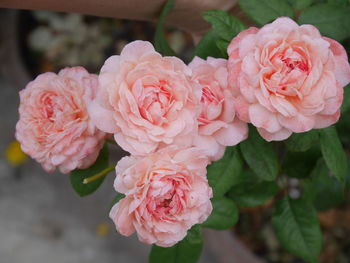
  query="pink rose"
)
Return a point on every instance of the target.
[
  {"x": 218, "y": 126},
  {"x": 288, "y": 78},
  {"x": 166, "y": 194},
  {"x": 54, "y": 126},
  {"x": 146, "y": 100}
]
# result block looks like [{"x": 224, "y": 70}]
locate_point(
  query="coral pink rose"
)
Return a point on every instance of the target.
[
  {"x": 166, "y": 194},
  {"x": 218, "y": 126},
  {"x": 54, "y": 126},
  {"x": 147, "y": 101},
  {"x": 289, "y": 78}
]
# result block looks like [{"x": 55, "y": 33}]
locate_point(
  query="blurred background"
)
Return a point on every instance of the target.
[{"x": 41, "y": 218}]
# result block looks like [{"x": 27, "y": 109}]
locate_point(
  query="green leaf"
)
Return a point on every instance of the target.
[
  {"x": 253, "y": 194},
  {"x": 297, "y": 227},
  {"x": 226, "y": 172},
  {"x": 265, "y": 11},
  {"x": 300, "y": 4},
  {"x": 222, "y": 46},
  {"x": 300, "y": 142},
  {"x": 346, "y": 101},
  {"x": 116, "y": 199},
  {"x": 332, "y": 21},
  {"x": 260, "y": 156},
  {"x": 300, "y": 164},
  {"x": 208, "y": 47},
  {"x": 77, "y": 176},
  {"x": 224, "y": 214},
  {"x": 224, "y": 25},
  {"x": 333, "y": 153},
  {"x": 340, "y": 3},
  {"x": 322, "y": 189},
  {"x": 160, "y": 42},
  {"x": 186, "y": 251}
]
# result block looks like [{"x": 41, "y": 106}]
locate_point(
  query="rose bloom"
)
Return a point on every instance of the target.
[
  {"x": 218, "y": 126},
  {"x": 166, "y": 194},
  {"x": 288, "y": 78},
  {"x": 54, "y": 126},
  {"x": 147, "y": 101}
]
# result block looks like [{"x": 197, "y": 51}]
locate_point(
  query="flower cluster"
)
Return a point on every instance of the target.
[{"x": 174, "y": 119}]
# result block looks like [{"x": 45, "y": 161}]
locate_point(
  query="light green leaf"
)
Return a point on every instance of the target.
[
  {"x": 297, "y": 227},
  {"x": 333, "y": 153},
  {"x": 208, "y": 47},
  {"x": 186, "y": 251},
  {"x": 331, "y": 20},
  {"x": 77, "y": 176},
  {"x": 260, "y": 156},
  {"x": 265, "y": 11},
  {"x": 300, "y": 142},
  {"x": 253, "y": 194},
  {"x": 160, "y": 42},
  {"x": 322, "y": 189},
  {"x": 224, "y": 25},
  {"x": 225, "y": 173},
  {"x": 224, "y": 214}
]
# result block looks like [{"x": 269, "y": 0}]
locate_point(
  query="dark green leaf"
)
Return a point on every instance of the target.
[
  {"x": 222, "y": 46},
  {"x": 160, "y": 42},
  {"x": 333, "y": 153},
  {"x": 332, "y": 21},
  {"x": 225, "y": 173},
  {"x": 297, "y": 227},
  {"x": 186, "y": 251},
  {"x": 346, "y": 101},
  {"x": 224, "y": 214},
  {"x": 250, "y": 194},
  {"x": 224, "y": 25},
  {"x": 322, "y": 189},
  {"x": 300, "y": 4},
  {"x": 116, "y": 199},
  {"x": 300, "y": 142},
  {"x": 265, "y": 11},
  {"x": 260, "y": 156},
  {"x": 77, "y": 176},
  {"x": 339, "y": 3},
  {"x": 300, "y": 164},
  {"x": 208, "y": 47}
]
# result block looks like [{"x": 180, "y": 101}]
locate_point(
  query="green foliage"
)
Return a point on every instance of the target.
[
  {"x": 186, "y": 251},
  {"x": 300, "y": 4},
  {"x": 160, "y": 42},
  {"x": 331, "y": 20},
  {"x": 116, "y": 199},
  {"x": 346, "y": 102},
  {"x": 300, "y": 164},
  {"x": 224, "y": 215},
  {"x": 225, "y": 173},
  {"x": 250, "y": 194},
  {"x": 208, "y": 47},
  {"x": 333, "y": 153},
  {"x": 265, "y": 11},
  {"x": 77, "y": 176},
  {"x": 224, "y": 28},
  {"x": 339, "y": 3},
  {"x": 260, "y": 156},
  {"x": 297, "y": 227},
  {"x": 322, "y": 189},
  {"x": 300, "y": 142},
  {"x": 224, "y": 25}
]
